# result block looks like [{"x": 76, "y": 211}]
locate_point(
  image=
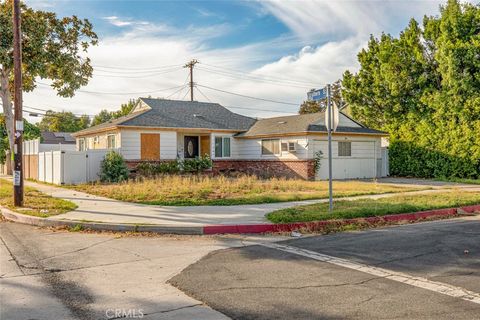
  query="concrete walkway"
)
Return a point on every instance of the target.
[{"x": 99, "y": 209}]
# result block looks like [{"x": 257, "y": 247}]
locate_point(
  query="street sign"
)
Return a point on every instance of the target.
[
  {"x": 317, "y": 94},
  {"x": 335, "y": 117}
]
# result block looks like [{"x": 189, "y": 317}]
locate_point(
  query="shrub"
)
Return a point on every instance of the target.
[
  {"x": 407, "y": 159},
  {"x": 113, "y": 168},
  {"x": 171, "y": 167},
  {"x": 198, "y": 164},
  {"x": 151, "y": 168}
]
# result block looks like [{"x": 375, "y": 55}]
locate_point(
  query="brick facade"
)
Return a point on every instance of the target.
[
  {"x": 298, "y": 169},
  {"x": 303, "y": 169}
]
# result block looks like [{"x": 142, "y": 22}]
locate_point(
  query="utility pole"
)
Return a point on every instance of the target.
[
  {"x": 190, "y": 65},
  {"x": 17, "y": 100}
]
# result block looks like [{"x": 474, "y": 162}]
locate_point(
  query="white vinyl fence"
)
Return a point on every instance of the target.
[{"x": 70, "y": 167}]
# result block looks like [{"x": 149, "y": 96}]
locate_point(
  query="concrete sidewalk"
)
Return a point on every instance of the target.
[{"x": 99, "y": 209}]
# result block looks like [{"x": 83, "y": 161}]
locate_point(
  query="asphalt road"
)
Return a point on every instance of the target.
[
  {"x": 261, "y": 282},
  {"x": 46, "y": 275}
]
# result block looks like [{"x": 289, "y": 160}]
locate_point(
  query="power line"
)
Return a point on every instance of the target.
[
  {"x": 183, "y": 98},
  {"x": 246, "y": 108},
  {"x": 262, "y": 77},
  {"x": 246, "y": 77},
  {"x": 136, "y": 77},
  {"x": 249, "y": 97},
  {"x": 203, "y": 94},
  {"x": 46, "y": 110},
  {"x": 118, "y": 93},
  {"x": 134, "y": 68},
  {"x": 181, "y": 88},
  {"x": 256, "y": 109}
]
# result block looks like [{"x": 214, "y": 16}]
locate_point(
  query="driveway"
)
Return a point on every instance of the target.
[
  {"x": 47, "y": 275},
  {"x": 99, "y": 209},
  {"x": 428, "y": 270}
]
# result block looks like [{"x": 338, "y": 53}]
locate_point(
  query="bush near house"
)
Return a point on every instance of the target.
[
  {"x": 199, "y": 164},
  {"x": 113, "y": 168}
]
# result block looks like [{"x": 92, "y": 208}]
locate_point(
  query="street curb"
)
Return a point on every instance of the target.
[
  {"x": 239, "y": 228},
  {"x": 98, "y": 226},
  {"x": 322, "y": 225}
]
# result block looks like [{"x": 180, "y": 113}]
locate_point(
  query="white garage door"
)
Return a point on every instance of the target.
[{"x": 361, "y": 163}]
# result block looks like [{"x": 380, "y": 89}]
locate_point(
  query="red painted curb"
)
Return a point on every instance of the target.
[
  {"x": 316, "y": 225},
  {"x": 471, "y": 209}
]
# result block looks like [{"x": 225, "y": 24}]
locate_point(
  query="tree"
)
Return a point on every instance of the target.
[
  {"x": 317, "y": 106},
  {"x": 62, "y": 122},
  {"x": 125, "y": 108},
  {"x": 423, "y": 88},
  {"x": 104, "y": 115},
  {"x": 51, "y": 49},
  {"x": 310, "y": 107}
]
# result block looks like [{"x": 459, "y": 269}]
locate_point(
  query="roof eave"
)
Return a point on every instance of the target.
[{"x": 300, "y": 133}]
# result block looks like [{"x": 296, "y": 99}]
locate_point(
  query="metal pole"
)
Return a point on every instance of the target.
[
  {"x": 329, "y": 129},
  {"x": 18, "y": 146}
]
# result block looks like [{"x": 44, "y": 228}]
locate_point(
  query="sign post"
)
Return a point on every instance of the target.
[
  {"x": 329, "y": 130},
  {"x": 331, "y": 123}
]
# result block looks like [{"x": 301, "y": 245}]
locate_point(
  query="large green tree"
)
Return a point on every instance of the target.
[
  {"x": 317, "y": 106},
  {"x": 52, "y": 48},
  {"x": 62, "y": 122},
  {"x": 423, "y": 87},
  {"x": 105, "y": 115}
]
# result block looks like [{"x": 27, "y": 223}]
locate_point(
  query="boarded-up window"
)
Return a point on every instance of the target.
[
  {"x": 150, "y": 146},
  {"x": 270, "y": 147},
  {"x": 344, "y": 149}
]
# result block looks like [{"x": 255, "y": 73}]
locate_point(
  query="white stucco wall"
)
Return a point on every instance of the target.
[
  {"x": 252, "y": 149},
  {"x": 364, "y": 162}
]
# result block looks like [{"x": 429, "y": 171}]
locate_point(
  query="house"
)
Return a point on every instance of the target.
[
  {"x": 48, "y": 141},
  {"x": 162, "y": 130}
]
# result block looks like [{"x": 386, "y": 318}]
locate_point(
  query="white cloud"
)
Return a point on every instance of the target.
[
  {"x": 147, "y": 45},
  {"x": 314, "y": 19}
]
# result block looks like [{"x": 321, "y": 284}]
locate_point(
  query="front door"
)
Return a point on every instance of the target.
[{"x": 191, "y": 147}]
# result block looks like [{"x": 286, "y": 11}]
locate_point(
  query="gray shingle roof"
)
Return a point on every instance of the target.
[
  {"x": 181, "y": 114},
  {"x": 48, "y": 137},
  {"x": 312, "y": 122},
  {"x": 189, "y": 114},
  {"x": 280, "y": 125}
]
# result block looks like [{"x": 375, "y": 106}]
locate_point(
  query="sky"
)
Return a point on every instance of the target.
[{"x": 272, "y": 50}]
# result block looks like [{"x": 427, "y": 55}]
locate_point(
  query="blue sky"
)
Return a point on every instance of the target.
[{"x": 275, "y": 50}]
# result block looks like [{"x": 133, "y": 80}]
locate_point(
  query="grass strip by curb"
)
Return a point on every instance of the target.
[
  {"x": 36, "y": 203},
  {"x": 363, "y": 208}
]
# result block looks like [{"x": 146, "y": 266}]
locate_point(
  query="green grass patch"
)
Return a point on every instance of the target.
[
  {"x": 460, "y": 180},
  {"x": 369, "y": 207},
  {"x": 36, "y": 203},
  {"x": 224, "y": 191}
]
